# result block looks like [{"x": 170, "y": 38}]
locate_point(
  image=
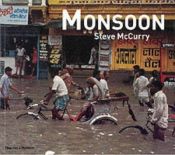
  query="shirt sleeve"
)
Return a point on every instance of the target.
[
  {"x": 55, "y": 84},
  {"x": 158, "y": 108}
]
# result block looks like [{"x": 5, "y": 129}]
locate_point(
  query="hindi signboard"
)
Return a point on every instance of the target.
[
  {"x": 43, "y": 53},
  {"x": 56, "y": 52},
  {"x": 15, "y": 15}
]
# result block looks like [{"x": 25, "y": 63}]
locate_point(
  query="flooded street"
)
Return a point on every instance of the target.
[{"x": 28, "y": 136}]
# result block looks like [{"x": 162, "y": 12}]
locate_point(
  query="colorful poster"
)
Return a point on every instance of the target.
[{"x": 14, "y": 15}]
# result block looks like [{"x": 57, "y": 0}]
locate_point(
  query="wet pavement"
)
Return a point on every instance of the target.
[{"x": 29, "y": 136}]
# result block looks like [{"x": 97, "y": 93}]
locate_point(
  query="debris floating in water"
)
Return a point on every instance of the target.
[
  {"x": 139, "y": 150},
  {"x": 101, "y": 133},
  {"x": 133, "y": 148},
  {"x": 152, "y": 152},
  {"x": 49, "y": 153},
  {"x": 84, "y": 150},
  {"x": 110, "y": 135}
]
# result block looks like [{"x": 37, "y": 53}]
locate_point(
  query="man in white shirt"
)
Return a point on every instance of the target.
[
  {"x": 160, "y": 111},
  {"x": 5, "y": 85},
  {"x": 104, "y": 83},
  {"x": 20, "y": 59},
  {"x": 61, "y": 92},
  {"x": 140, "y": 86},
  {"x": 95, "y": 93},
  {"x": 93, "y": 56}
]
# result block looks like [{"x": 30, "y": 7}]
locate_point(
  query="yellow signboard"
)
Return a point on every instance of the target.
[
  {"x": 150, "y": 54},
  {"x": 125, "y": 54}
]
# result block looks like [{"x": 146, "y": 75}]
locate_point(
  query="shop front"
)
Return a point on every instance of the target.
[
  {"x": 14, "y": 36},
  {"x": 149, "y": 55}
]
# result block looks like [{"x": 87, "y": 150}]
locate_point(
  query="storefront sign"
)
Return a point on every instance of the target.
[
  {"x": 151, "y": 58},
  {"x": 126, "y": 56},
  {"x": 43, "y": 53},
  {"x": 16, "y": 15},
  {"x": 55, "y": 56},
  {"x": 56, "y": 51}
]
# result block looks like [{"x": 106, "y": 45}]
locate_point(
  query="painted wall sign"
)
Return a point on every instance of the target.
[
  {"x": 126, "y": 56},
  {"x": 55, "y": 57},
  {"x": 16, "y": 15},
  {"x": 151, "y": 58}
]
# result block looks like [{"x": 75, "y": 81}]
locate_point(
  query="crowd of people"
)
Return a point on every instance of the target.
[{"x": 149, "y": 92}]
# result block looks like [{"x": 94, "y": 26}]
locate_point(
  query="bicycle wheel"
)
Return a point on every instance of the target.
[
  {"x": 27, "y": 117},
  {"x": 104, "y": 119}
]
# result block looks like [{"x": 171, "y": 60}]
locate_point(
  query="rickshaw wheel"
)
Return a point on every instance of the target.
[{"x": 104, "y": 119}]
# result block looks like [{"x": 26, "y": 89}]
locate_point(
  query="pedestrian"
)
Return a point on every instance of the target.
[
  {"x": 34, "y": 61},
  {"x": 66, "y": 75},
  {"x": 135, "y": 73},
  {"x": 21, "y": 52},
  {"x": 141, "y": 89},
  {"x": 94, "y": 55},
  {"x": 103, "y": 80},
  {"x": 60, "y": 91},
  {"x": 160, "y": 112},
  {"x": 5, "y": 85},
  {"x": 154, "y": 77}
]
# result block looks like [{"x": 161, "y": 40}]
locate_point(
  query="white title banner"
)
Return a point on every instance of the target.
[{"x": 16, "y": 15}]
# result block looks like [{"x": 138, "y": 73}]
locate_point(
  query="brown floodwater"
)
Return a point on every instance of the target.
[{"x": 29, "y": 136}]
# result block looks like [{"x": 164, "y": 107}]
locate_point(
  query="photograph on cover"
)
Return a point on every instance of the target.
[{"x": 87, "y": 77}]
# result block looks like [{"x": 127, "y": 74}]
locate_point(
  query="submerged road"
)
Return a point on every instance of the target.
[{"x": 28, "y": 136}]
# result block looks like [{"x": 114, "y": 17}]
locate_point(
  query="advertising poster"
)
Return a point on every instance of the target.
[
  {"x": 87, "y": 77},
  {"x": 14, "y": 15}
]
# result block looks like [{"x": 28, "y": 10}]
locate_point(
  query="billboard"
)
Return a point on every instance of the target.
[{"x": 15, "y": 15}]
